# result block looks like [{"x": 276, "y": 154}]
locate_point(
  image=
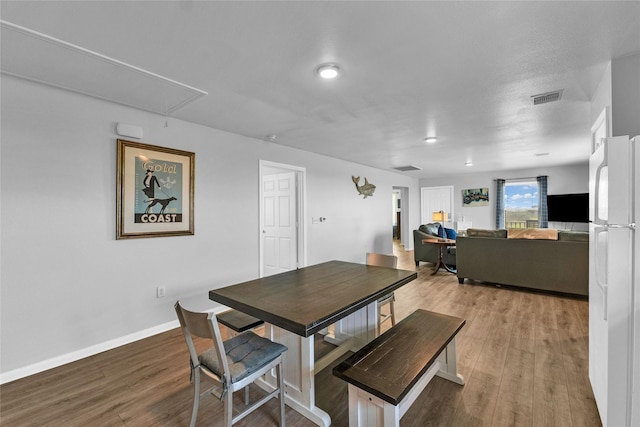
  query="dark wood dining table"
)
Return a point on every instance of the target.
[{"x": 300, "y": 303}]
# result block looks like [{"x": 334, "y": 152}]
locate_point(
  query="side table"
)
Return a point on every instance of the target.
[{"x": 442, "y": 245}]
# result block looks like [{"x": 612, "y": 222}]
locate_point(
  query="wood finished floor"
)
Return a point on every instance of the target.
[{"x": 523, "y": 355}]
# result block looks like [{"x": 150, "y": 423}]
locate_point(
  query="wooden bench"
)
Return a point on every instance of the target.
[
  {"x": 238, "y": 321},
  {"x": 387, "y": 375}
]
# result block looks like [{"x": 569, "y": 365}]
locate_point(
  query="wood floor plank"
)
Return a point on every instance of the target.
[
  {"x": 584, "y": 411},
  {"x": 550, "y": 404},
  {"x": 567, "y": 316},
  {"x": 575, "y": 345},
  {"x": 543, "y": 306},
  {"x": 523, "y": 335},
  {"x": 468, "y": 349},
  {"x": 493, "y": 354},
  {"x": 516, "y": 390},
  {"x": 478, "y": 401},
  {"x": 548, "y": 351},
  {"x": 437, "y": 405}
]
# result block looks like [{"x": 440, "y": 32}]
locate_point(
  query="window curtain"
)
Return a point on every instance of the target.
[
  {"x": 543, "y": 212},
  {"x": 500, "y": 203}
]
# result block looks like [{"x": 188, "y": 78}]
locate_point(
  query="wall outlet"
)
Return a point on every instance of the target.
[{"x": 160, "y": 292}]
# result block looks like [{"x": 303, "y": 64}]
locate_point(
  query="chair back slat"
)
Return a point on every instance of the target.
[{"x": 196, "y": 323}]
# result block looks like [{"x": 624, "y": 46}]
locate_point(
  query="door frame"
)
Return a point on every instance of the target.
[{"x": 301, "y": 203}]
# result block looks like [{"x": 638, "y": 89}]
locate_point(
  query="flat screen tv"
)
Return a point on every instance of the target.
[{"x": 568, "y": 207}]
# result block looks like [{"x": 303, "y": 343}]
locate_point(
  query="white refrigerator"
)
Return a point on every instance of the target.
[{"x": 614, "y": 283}]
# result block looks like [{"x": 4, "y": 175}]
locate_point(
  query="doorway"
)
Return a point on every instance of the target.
[
  {"x": 400, "y": 212},
  {"x": 282, "y": 228}
]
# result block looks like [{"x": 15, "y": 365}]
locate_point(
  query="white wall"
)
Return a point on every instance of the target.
[
  {"x": 69, "y": 289},
  {"x": 601, "y": 99},
  {"x": 562, "y": 180},
  {"x": 619, "y": 91},
  {"x": 625, "y": 78}
]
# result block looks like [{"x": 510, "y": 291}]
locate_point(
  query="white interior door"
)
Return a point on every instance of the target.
[
  {"x": 434, "y": 199},
  {"x": 279, "y": 224}
]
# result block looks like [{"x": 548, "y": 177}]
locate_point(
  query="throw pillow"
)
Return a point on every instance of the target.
[
  {"x": 441, "y": 232},
  {"x": 451, "y": 233}
]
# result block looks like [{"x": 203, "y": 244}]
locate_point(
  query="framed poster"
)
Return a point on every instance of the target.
[
  {"x": 154, "y": 193},
  {"x": 475, "y": 197}
]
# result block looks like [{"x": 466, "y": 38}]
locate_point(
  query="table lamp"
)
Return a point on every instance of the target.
[{"x": 439, "y": 216}]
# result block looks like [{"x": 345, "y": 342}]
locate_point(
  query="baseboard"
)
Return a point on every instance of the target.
[
  {"x": 193, "y": 303},
  {"x": 54, "y": 362}
]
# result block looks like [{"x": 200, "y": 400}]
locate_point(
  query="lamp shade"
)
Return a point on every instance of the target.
[{"x": 439, "y": 216}]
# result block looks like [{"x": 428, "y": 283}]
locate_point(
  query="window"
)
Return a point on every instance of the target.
[{"x": 521, "y": 204}]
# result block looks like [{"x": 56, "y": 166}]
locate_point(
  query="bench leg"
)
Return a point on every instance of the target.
[
  {"x": 449, "y": 364},
  {"x": 367, "y": 410}
]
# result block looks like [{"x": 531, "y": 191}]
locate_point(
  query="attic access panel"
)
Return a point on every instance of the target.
[{"x": 38, "y": 57}]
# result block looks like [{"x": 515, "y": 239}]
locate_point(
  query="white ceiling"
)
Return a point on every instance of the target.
[{"x": 464, "y": 71}]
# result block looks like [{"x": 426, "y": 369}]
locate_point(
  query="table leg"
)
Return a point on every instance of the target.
[
  {"x": 300, "y": 366},
  {"x": 299, "y": 374},
  {"x": 440, "y": 263}
]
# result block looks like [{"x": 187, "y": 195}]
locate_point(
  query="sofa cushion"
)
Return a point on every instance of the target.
[
  {"x": 532, "y": 233},
  {"x": 573, "y": 236},
  {"x": 478, "y": 232}
]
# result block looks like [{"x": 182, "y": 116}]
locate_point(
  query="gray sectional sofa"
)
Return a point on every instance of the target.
[{"x": 560, "y": 265}]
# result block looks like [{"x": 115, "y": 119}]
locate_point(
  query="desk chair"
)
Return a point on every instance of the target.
[
  {"x": 390, "y": 261},
  {"x": 232, "y": 365}
]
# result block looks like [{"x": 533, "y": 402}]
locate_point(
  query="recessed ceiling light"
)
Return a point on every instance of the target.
[
  {"x": 430, "y": 139},
  {"x": 328, "y": 71},
  {"x": 541, "y": 154},
  {"x": 469, "y": 163}
]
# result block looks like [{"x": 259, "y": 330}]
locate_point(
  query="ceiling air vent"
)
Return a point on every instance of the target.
[
  {"x": 407, "y": 168},
  {"x": 543, "y": 98}
]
